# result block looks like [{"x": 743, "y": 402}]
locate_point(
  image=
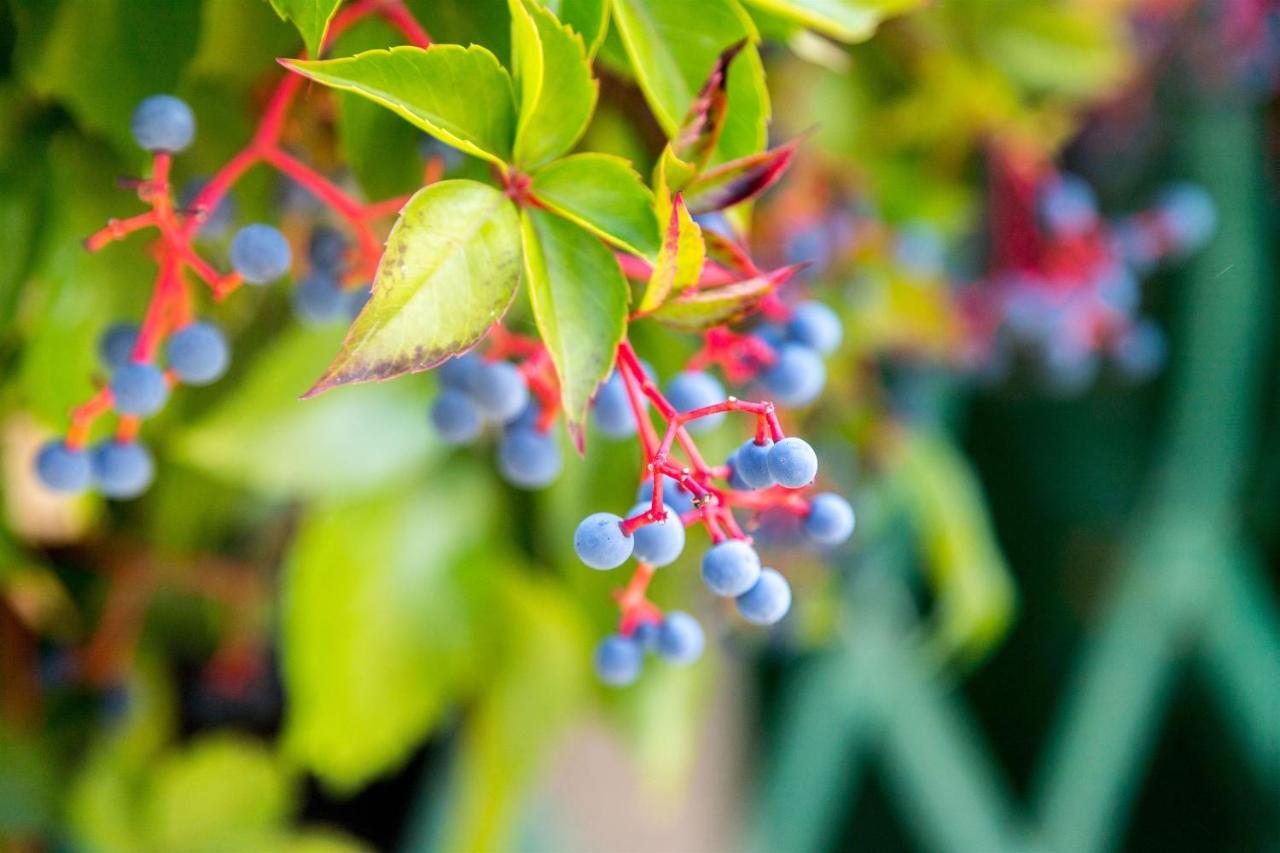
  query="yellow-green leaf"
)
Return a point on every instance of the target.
[
  {"x": 379, "y": 625},
  {"x": 311, "y": 17},
  {"x": 673, "y": 51},
  {"x": 460, "y": 95},
  {"x": 553, "y": 77},
  {"x": 450, "y": 270},
  {"x": 846, "y": 20},
  {"x": 603, "y": 194},
  {"x": 586, "y": 17},
  {"x": 679, "y": 260},
  {"x": 580, "y": 304}
]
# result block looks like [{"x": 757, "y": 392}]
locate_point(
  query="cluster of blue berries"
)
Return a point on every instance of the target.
[
  {"x": 475, "y": 393},
  {"x": 797, "y": 375},
  {"x": 196, "y": 354},
  {"x": 319, "y": 299},
  {"x": 677, "y": 639}
]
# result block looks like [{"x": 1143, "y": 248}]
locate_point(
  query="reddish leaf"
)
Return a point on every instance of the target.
[
  {"x": 702, "y": 309},
  {"x": 700, "y": 130},
  {"x": 738, "y": 180}
]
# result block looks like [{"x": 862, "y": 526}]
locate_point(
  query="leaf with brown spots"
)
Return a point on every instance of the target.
[{"x": 450, "y": 269}]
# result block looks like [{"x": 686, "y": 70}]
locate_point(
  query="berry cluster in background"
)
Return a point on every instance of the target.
[{"x": 1064, "y": 292}]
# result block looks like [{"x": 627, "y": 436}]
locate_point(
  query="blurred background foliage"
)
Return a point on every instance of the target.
[{"x": 1055, "y": 628}]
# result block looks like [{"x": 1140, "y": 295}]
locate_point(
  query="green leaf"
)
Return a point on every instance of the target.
[
  {"x": 378, "y": 625},
  {"x": 461, "y": 96},
  {"x": 311, "y": 17},
  {"x": 450, "y": 270},
  {"x": 673, "y": 58},
  {"x": 586, "y": 17},
  {"x": 580, "y": 304},
  {"x": 384, "y": 152},
  {"x": 261, "y": 436},
  {"x": 222, "y": 792},
  {"x": 553, "y": 77},
  {"x": 679, "y": 261},
  {"x": 846, "y": 20},
  {"x": 703, "y": 309},
  {"x": 604, "y": 195},
  {"x": 536, "y": 685}
]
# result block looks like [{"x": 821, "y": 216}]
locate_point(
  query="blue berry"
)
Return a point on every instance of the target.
[
  {"x": 457, "y": 371},
  {"x": 816, "y": 326},
  {"x": 62, "y": 469},
  {"x": 751, "y": 462},
  {"x": 810, "y": 245},
  {"x": 122, "y": 469},
  {"x": 830, "y": 520},
  {"x": 646, "y": 634},
  {"x": 500, "y": 391},
  {"x": 260, "y": 253},
  {"x": 600, "y": 543},
  {"x": 1118, "y": 288},
  {"x": 694, "y": 389},
  {"x": 797, "y": 377},
  {"x": 138, "y": 389},
  {"x": 456, "y": 417},
  {"x": 529, "y": 458},
  {"x": 771, "y": 333},
  {"x": 736, "y": 482},
  {"x": 327, "y": 249},
  {"x": 318, "y": 300},
  {"x": 618, "y": 660},
  {"x": 767, "y": 601},
  {"x": 198, "y": 353},
  {"x": 793, "y": 463},
  {"x": 163, "y": 123},
  {"x": 680, "y": 638},
  {"x": 528, "y": 419},
  {"x": 717, "y": 223},
  {"x": 1068, "y": 206},
  {"x": 673, "y": 494},
  {"x": 1141, "y": 351},
  {"x": 115, "y": 347},
  {"x": 1189, "y": 214},
  {"x": 612, "y": 408},
  {"x": 659, "y": 543},
  {"x": 730, "y": 567}
]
